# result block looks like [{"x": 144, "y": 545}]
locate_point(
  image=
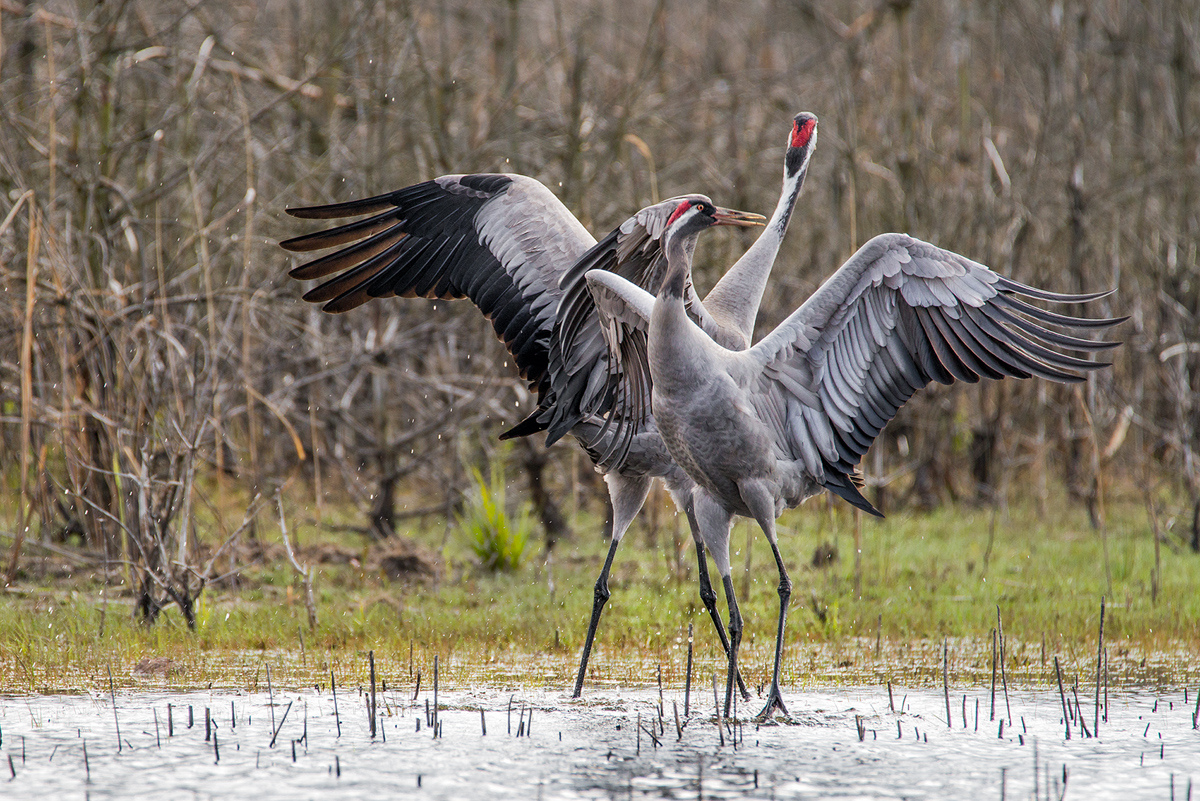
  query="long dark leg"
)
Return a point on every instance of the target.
[
  {"x": 762, "y": 504},
  {"x": 627, "y": 494},
  {"x": 599, "y": 598},
  {"x": 707, "y": 594},
  {"x": 735, "y": 639},
  {"x": 774, "y": 697}
]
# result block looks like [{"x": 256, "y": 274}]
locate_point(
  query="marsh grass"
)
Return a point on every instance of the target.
[
  {"x": 923, "y": 579},
  {"x": 495, "y": 533}
]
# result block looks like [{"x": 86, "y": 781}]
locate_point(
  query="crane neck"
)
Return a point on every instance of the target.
[
  {"x": 792, "y": 184},
  {"x": 679, "y": 253},
  {"x": 735, "y": 299},
  {"x": 764, "y": 250}
]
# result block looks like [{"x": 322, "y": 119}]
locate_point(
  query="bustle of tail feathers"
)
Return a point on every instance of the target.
[
  {"x": 857, "y": 478},
  {"x": 847, "y": 487}
]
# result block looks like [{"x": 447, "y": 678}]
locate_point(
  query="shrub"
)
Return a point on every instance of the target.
[{"x": 496, "y": 536}]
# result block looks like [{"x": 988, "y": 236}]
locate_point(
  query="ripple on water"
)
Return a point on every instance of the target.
[{"x": 590, "y": 748}]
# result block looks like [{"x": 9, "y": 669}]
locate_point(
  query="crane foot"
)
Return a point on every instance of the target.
[{"x": 774, "y": 702}]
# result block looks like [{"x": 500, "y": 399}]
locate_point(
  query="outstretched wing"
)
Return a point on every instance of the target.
[
  {"x": 899, "y": 314},
  {"x": 503, "y": 241},
  {"x": 581, "y": 379},
  {"x": 622, "y": 315}
]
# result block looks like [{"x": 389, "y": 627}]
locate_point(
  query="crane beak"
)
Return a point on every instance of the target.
[{"x": 744, "y": 219}]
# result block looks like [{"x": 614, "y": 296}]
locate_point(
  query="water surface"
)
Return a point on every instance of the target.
[{"x": 593, "y": 748}]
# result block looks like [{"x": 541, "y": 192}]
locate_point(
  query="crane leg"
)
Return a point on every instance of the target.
[
  {"x": 761, "y": 503},
  {"x": 709, "y": 596},
  {"x": 714, "y": 523},
  {"x": 774, "y": 697},
  {"x": 735, "y": 638},
  {"x": 627, "y": 494}
]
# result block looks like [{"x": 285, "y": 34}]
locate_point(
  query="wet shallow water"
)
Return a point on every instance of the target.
[{"x": 592, "y": 748}]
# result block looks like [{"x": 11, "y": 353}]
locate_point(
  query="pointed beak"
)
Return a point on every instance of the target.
[{"x": 744, "y": 219}]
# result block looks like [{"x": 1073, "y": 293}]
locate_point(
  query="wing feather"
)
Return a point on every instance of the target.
[
  {"x": 623, "y": 313},
  {"x": 503, "y": 241},
  {"x": 578, "y": 354},
  {"x": 900, "y": 314}
]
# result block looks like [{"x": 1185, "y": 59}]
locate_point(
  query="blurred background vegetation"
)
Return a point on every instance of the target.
[{"x": 160, "y": 380}]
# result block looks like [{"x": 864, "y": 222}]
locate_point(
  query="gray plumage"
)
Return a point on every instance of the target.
[
  {"x": 765, "y": 428},
  {"x": 509, "y": 245}
]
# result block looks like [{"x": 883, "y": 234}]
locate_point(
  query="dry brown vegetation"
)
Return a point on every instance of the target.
[{"x": 151, "y": 344}]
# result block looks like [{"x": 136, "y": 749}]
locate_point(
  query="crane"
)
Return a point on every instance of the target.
[
  {"x": 509, "y": 245},
  {"x": 763, "y": 429}
]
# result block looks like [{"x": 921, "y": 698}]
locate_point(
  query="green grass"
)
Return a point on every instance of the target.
[
  {"x": 496, "y": 534},
  {"x": 923, "y": 580}
]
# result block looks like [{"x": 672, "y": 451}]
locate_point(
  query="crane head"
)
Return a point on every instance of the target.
[
  {"x": 704, "y": 213},
  {"x": 801, "y": 141}
]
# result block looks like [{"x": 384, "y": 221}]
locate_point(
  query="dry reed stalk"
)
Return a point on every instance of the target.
[
  {"x": 270, "y": 697},
  {"x": 1062, "y": 697},
  {"x": 992, "y": 715},
  {"x": 687, "y": 681},
  {"x": 31, "y": 271},
  {"x": 113, "y": 694},
  {"x": 336, "y": 716},
  {"x": 247, "y": 356},
  {"x": 945, "y": 683},
  {"x": 52, "y": 118},
  {"x": 211, "y": 317},
  {"x": 282, "y": 720},
  {"x": 1099, "y": 667},
  {"x": 371, "y": 698},
  {"x": 1003, "y": 670},
  {"x": 305, "y": 573}
]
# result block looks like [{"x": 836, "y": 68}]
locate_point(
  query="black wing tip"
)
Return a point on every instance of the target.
[
  {"x": 314, "y": 212},
  {"x": 305, "y": 272},
  {"x": 350, "y": 208},
  {"x": 844, "y": 488},
  {"x": 527, "y": 427},
  {"x": 291, "y": 244}
]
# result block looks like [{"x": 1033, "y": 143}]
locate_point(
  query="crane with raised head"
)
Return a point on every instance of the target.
[
  {"x": 511, "y": 247},
  {"x": 763, "y": 429}
]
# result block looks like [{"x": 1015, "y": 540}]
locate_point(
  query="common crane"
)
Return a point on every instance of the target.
[
  {"x": 511, "y": 247},
  {"x": 763, "y": 429}
]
